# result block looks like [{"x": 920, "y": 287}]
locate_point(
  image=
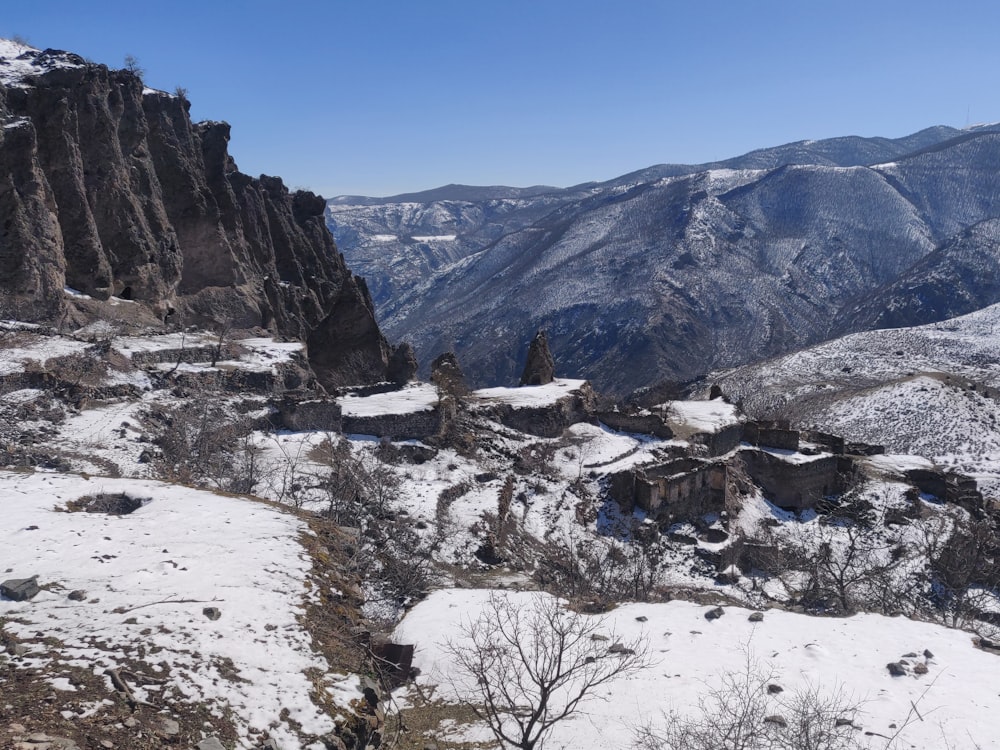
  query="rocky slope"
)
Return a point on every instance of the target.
[
  {"x": 677, "y": 270},
  {"x": 109, "y": 188}
]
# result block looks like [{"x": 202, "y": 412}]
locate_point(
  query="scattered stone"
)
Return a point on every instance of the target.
[
  {"x": 77, "y": 596},
  {"x": 928, "y": 654},
  {"x": 20, "y": 649},
  {"x": 212, "y": 613},
  {"x": 20, "y": 589},
  {"x": 843, "y": 722},
  {"x": 920, "y": 669},
  {"x": 107, "y": 744},
  {"x": 619, "y": 648},
  {"x": 777, "y": 720},
  {"x": 896, "y": 669},
  {"x": 756, "y": 617},
  {"x": 910, "y": 655},
  {"x": 130, "y": 722},
  {"x": 210, "y": 743},
  {"x": 773, "y": 689},
  {"x": 598, "y": 637},
  {"x": 642, "y": 618},
  {"x": 169, "y": 727},
  {"x": 715, "y": 614},
  {"x": 270, "y": 745}
]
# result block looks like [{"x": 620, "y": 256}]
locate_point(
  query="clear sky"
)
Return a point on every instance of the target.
[{"x": 377, "y": 97}]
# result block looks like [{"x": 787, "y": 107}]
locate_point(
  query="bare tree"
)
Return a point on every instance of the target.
[
  {"x": 523, "y": 669},
  {"x": 132, "y": 66}
]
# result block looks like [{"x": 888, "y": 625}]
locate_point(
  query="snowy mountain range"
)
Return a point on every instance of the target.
[{"x": 677, "y": 270}]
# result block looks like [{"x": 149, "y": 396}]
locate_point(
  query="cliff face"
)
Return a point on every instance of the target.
[{"x": 109, "y": 189}]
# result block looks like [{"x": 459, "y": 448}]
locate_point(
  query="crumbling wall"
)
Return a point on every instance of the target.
[
  {"x": 771, "y": 434},
  {"x": 794, "y": 484}
]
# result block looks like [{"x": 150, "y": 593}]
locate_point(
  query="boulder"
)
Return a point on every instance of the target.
[
  {"x": 896, "y": 669},
  {"x": 715, "y": 614},
  {"x": 20, "y": 589}
]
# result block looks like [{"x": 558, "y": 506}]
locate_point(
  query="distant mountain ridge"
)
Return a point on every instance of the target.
[{"x": 674, "y": 270}]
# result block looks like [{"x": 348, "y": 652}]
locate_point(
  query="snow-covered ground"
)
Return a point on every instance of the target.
[
  {"x": 407, "y": 400},
  {"x": 146, "y": 578},
  {"x": 956, "y": 698},
  {"x": 527, "y": 396},
  {"x": 700, "y": 416}
]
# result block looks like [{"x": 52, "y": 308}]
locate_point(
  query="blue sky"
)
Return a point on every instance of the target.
[{"x": 378, "y": 97}]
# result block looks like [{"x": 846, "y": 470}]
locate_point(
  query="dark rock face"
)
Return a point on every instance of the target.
[
  {"x": 540, "y": 367},
  {"x": 111, "y": 190},
  {"x": 402, "y": 364}
]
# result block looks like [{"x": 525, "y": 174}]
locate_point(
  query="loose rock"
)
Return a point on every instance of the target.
[{"x": 20, "y": 589}]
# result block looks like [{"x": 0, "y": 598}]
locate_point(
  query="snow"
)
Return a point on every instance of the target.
[
  {"x": 893, "y": 463},
  {"x": 26, "y": 348},
  {"x": 527, "y": 396},
  {"x": 435, "y": 238},
  {"x": 19, "y": 61},
  {"x": 149, "y": 574},
  {"x": 702, "y": 416},
  {"x": 691, "y": 653},
  {"x": 410, "y": 399}
]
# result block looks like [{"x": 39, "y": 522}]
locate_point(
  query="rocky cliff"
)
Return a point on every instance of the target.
[{"x": 109, "y": 189}]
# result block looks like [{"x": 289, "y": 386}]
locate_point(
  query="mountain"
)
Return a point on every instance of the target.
[
  {"x": 109, "y": 190},
  {"x": 676, "y": 270}
]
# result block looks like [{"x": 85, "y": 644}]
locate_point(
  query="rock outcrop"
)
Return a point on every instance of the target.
[
  {"x": 540, "y": 367},
  {"x": 109, "y": 188}
]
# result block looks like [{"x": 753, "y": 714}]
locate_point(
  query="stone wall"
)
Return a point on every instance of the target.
[
  {"x": 413, "y": 426},
  {"x": 309, "y": 416},
  {"x": 684, "y": 487},
  {"x": 771, "y": 434},
  {"x": 949, "y": 486},
  {"x": 644, "y": 424},
  {"x": 546, "y": 421},
  {"x": 723, "y": 441},
  {"x": 794, "y": 484},
  {"x": 833, "y": 443}
]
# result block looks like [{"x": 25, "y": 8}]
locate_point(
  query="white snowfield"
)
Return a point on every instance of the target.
[
  {"x": 961, "y": 705},
  {"x": 527, "y": 396},
  {"x": 148, "y": 576},
  {"x": 411, "y": 398},
  {"x": 703, "y": 416}
]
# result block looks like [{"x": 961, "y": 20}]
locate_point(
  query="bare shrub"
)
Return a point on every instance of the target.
[
  {"x": 199, "y": 443},
  {"x": 739, "y": 713}
]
